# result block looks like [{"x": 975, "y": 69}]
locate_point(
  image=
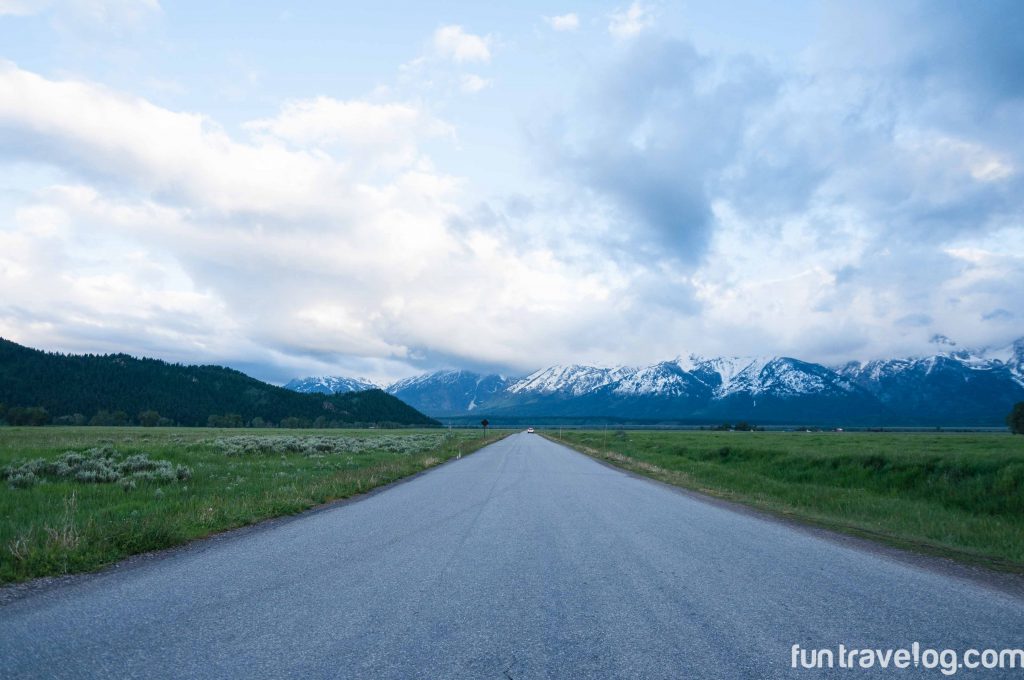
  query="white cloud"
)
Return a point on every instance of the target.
[
  {"x": 564, "y": 22},
  {"x": 474, "y": 83},
  {"x": 456, "y": 44},
  {"x": 944, "y": 154},
  {"x": 439, "y": 72},
  {"x": 212, "y": 247},
  {"x": 630, "y": 22},
  {"x": 70, "y": 283},
  {"x": 188, "y": 158},
  {"x": 374, "y": 134},
  {"x": 327, "y": 122}
]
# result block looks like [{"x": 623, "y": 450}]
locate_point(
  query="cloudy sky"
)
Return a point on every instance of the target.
[{"x": 383, "y": 188}]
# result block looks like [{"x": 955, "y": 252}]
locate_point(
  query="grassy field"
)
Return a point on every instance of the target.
[
  {"x": 75, "y": 499},
  {"x": 957, "y": 495}
]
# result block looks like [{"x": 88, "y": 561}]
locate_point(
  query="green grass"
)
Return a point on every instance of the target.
[
  {"x": 956, "y": 495},
  {"x": 52, "y": 524}
]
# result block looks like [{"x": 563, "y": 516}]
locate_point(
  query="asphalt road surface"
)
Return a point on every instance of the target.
[{"x": 524, "y": 560}]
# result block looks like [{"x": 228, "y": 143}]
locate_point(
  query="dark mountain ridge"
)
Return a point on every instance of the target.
[{"x": 91, "y": 385}]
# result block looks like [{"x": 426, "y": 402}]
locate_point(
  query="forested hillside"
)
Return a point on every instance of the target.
[{"x": 39, "y": 387}]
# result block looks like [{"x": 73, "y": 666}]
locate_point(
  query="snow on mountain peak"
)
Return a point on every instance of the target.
[
  {"x": 667, "y": 379},
  {"x": 573, "y": 379},
  {"x": 690, "y": 376},
  {"x": 735, "y": 373},
  {"x": 442, "y": 376},
  {"x": 328, "y": 384},
  {"x": 1007, "y": 358},
  {"x": 686, "y": 363}
]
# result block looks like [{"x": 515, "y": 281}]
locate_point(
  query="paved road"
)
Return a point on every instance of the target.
[{"x": 524, "y": 560}]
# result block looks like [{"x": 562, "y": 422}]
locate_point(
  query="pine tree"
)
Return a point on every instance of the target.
[{"x": 1016, "y": 418}]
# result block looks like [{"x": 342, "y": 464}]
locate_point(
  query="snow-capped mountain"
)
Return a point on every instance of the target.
[
  {"x": 666, "y": 379},
  {"x": 570, "y": 380},
  {"x": 449, "y": 393},
  {"x": 783, "y": 389},
  {"x": 950, "y": 387},
  {"x": 717, "y": 378},
  {"x": 1011, "y": 357},
  {"x": 775, "y": 376},
  {"x": 327, "y": 384},
  {"x": 1008, "y": 359}
]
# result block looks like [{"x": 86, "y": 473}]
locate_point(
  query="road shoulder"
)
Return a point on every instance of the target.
[
  {"x": 14, "y": 592},
  {"x": 1007, "y": 583}
]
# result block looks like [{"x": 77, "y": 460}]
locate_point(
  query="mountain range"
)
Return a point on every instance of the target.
[{"x": 952, "y": 387}]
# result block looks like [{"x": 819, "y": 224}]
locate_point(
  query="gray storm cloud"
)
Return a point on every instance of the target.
[{"x": 655, "y": 133}]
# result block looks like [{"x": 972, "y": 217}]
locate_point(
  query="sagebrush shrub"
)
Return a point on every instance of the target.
[
  {"x": 101, "y": 465},
  {"x": 317, "y": 445}
]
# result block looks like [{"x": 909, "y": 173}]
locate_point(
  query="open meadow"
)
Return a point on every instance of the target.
[
  {"x": 959, "y": 495},
  {"x": 77, "y": 498}
]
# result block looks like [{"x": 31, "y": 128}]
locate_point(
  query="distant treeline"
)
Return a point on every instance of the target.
[{"x": 40, "y": 388}]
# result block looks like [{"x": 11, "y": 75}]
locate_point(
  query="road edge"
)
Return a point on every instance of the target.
[
  {"x": 14, "y": 592},
  {"x": 1005, "y": 582}
]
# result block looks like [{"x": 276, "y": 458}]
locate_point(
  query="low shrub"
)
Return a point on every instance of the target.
[
  {"x": 316, "y": 445},
  {"x": 100, "y": 465}
]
